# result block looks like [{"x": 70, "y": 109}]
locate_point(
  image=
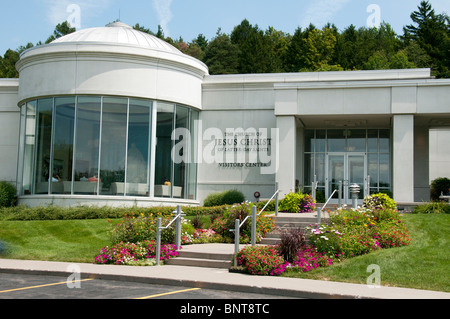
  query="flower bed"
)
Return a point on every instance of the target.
[
  {"x": 140, "y": 253},
  {"x": 349, "y": 233},
  {"x": 357, "y": 232}
]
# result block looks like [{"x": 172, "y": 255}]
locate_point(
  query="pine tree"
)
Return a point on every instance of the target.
[{"x": 432, "y": 32}]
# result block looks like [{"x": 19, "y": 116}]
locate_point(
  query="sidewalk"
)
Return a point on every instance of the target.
[{"x": 210, "y": 278}]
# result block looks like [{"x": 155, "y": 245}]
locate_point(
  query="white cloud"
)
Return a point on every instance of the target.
[
  {"x": 320, "y": 12},
  {"x": 162, "y": 7}
]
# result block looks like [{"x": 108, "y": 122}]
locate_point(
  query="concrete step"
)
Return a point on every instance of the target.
[
  {"x": 201, "y": 259},
  {"x": 199, "y": 262},
  {"x": 270, "y": 241}
]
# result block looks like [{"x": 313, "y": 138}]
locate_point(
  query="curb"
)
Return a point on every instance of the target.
[{"x": 219, "y": 279}]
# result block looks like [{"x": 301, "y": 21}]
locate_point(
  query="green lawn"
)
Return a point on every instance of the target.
[
  {"x": 424, "y": 264},
  {"x": 55, "y": 240}
]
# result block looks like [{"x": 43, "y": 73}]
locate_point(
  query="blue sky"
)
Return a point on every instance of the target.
[{"x": 26, "y": 21}]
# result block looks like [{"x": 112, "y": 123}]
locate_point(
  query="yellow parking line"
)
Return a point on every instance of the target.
[
  {"x": 168, "y": 293},
  {"x": 46, "y": 285}
]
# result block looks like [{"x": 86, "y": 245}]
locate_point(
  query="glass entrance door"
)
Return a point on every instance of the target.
[{"x": 348, "y": 168}]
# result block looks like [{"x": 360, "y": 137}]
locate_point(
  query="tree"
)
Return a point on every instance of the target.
[
  {"x": 252, "y": 55},
  {"x": 432, "y": 32},
  {"x": 142, "y": 29},
  {"x": 221, "y": 56},
  {"x": 319, "y": 49},
  {"x": 295, "y": 54},
  {"x": 201, "y": 42},
  {"x": 61, "y": 29},
  {"x": 276, "y": 43},
  {"x": 8, "y": 64}
]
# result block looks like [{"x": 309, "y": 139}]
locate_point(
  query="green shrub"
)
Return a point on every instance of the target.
[
  {"x": 223, "y": 225},
  {"x": 232, "y": 197},
  {"x": 432, "y": 208},
  {"x": 270, "y": 207},
  {"x": 214, "y": 199},
  {"x": 228, "y": 197},
  {"x": 438, "y": 186},
  {"x": 22, "y": 212},
  {"x": 297, "y": 203},
  {"x": 8, "y": 194},
  {"x": 379, "y": 201}
]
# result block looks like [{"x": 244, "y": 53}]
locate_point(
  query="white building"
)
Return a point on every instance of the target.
[{"x": 114, "y": 116}]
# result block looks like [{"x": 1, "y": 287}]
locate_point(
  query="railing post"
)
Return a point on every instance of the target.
[
  {"x": 158, "y": 240},
  {"x": 340, "y": 194},
  {"x": 236, "y": 240},
  {"x": 254, "y": 225},
  {"x": 276, "y": 198},
  {"x": 178, "y": 228},
  {"x": 319, "y": 210}
]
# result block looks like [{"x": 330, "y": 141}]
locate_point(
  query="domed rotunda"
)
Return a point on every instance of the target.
[{"x": 98, "y": 108}]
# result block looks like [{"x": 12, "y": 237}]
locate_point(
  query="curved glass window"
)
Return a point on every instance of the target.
[{"x": 109, "y": 146}]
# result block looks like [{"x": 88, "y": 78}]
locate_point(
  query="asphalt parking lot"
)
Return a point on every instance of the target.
[{"x": 25, "y": 286}]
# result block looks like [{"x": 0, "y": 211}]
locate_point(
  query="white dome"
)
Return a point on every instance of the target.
[{"x": 121, "y": 34}]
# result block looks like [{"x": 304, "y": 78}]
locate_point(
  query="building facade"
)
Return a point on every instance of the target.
[{"x": 114, "y": 116}]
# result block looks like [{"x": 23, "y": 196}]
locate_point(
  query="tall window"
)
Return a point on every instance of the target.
[
  {"x": 93, "y": 145},
  {"x": 43, "y": 146},
  {"x": 62, "y": 156},
  {"x": 139, "y": 148},
  {"x": 113, "y": 145},
  {"x": 87, "y": 139}
]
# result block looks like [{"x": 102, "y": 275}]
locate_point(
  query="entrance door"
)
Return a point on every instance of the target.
[{"x": 348, "y": 168}]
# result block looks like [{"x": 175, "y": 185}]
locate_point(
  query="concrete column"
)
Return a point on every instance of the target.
[
  {"x": 403, "y": 158},
  {"x": 421, "y": 164},
  {"x": 285, "y": 175}
]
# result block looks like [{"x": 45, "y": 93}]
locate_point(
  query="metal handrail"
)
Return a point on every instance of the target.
[
  {"x": 159, "y": 228},
  {"x": 324, "y": 206},
  {"x": 238, "y": 225},
  {"x": 276, "y": 193}
]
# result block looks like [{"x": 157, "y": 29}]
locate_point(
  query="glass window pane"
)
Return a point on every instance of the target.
[
  {"x": 193, "y": 160},
  {"x": 336, "y": 172},
  {"x": 112, "y": 152},
  {"x": 43, "y": 145},
  {"x": 385, "y": 141},
  {"x": 63, "y": 145},
  {"x": 138, "y": 148},
  {"x": 356, "y": 140},
  {"x": 163, "y": 160},
  {"x": 319, "y": 168},
  {"x": 373, "y": 169},
  {"x": 309, "y": 140},
  {"x": 320, "y": 141},
  {"x": 87, "y": 145},
  {"x": 28, "y": 154},
  {"x": 372, "y": 141},
  {"x": 179, "y": 178},
  {"x": 309, "y": 170},
  {"x": 336, "y": 141},
  {"x": 385, "y": 172}
]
